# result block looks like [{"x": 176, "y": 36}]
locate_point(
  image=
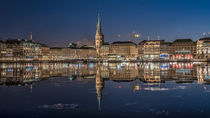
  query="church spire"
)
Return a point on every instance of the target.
[
  {"x": 99, "y": 38},
  {"x": 98, "y": 31},
  {"x": 31, "y": 38}
]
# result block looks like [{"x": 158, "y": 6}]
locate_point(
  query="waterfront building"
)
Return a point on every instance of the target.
[
  {"x": 146, "y": 50},
  {"x": 78, "y": 53},
  {"x": 182, "y": 49},
  {"x": 141, "y": 50},
  {"x": 2, "y": 50},
  {"x": 126, "y": 49},
  {"x": 67, "y": 53},
  {"x": 14, "y": 49},
  {"x": 85, "y": 52},
  {"x": 31, "y": 50},
  {"x": 152, "y": 50},
  {"x": 203, "y": 48},
  {"x": 105, "y": 51},
  {"x": 45, "y": 52},
  {"x": 99, "y": 38},
  {"x": 56, "y": 54},
  {"x": 22, "y": 50},
  {"x": 165, "y": 50}
]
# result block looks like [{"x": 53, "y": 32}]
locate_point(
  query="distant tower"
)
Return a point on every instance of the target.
[
  {"x": 99, "y": 38},
  {"x": 31, "y": 38},
  {"x": 158, "y": 37},
  {"x": 99, "y": 85}
]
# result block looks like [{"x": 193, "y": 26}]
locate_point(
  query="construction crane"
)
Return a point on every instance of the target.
[{"x": 133, "y": 36}]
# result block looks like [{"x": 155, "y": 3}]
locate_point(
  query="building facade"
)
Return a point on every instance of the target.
[
  {"x": 45, "y": 52},
  {"x": 105, "y": 50},
  {"x": 141, "y": 50},
  {"x": 203, "y": 48},
  {"x": 182, "y": 49},
  {"x": 165, "y": 50},
  {"x": 126, "y": 49},
  {"x": 151, "y": 49},
  {"x": 21, "y": 50},
  {"x": 56, "y": 54},
  {"x": 3, "y": 51}
]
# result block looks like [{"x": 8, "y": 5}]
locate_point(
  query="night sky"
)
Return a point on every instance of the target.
[{"x": 58, "y": 22}]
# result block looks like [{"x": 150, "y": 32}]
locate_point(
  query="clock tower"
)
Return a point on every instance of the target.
[{"x": 99, "y": 38}]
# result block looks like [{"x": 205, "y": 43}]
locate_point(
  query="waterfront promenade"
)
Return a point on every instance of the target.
[{"x": 99, "y": 61}]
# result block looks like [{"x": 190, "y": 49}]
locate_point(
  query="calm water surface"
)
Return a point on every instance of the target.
[{"x": 143, "y": 90}]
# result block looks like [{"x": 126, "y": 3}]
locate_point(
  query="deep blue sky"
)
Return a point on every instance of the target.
[{"x": 62, "y": 21}]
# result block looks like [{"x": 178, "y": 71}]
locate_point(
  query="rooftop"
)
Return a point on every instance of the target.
[
  {"x": 124, "y": 42},
  {"x": 43, "y": 45},
  {"x": 106, "y": 43},
  {"x": 183, "y": 40},
  {"x": 142, "y": 42},
  {"x": 55, "y": 48},
  {"x": 168, "y": 43},
  {"x": 205, "y": 38},
  {"x": 83, "y": 47}
]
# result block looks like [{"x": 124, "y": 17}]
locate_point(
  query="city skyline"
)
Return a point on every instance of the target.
[
  {"x": 57, "y": 23},
  {"x": 104, "y": 58}
]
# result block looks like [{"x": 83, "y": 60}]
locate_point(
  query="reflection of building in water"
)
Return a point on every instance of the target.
[
  {"x": 19, "y": 73},
  {"x": 123, "y": 72},
  {"x": 99, "y": 86},
  {"x": 183, "y": 72},
  {"x": 203, "y": 73},
  {"x": 104, "y": 71},
  {"x": 161, "y": 72},
  {"x": 27, "y": 73},
  {"x": 150, "y": 72}
]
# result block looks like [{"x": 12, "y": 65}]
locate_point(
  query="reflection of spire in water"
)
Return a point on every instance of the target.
[
  {"x": 31, "y": 88},
  {"x": 205, "y": 88},
  {"x": 99, "y": 86},
  {"x": 99, "y": 95}
]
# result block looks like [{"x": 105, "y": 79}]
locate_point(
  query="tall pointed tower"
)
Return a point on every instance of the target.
[
  {"x": 31, "y": 38},
  {"x": 99, "y": 38}
]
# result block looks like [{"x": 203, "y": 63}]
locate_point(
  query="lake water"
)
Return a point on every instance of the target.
[{"x": 138, "y": 90}]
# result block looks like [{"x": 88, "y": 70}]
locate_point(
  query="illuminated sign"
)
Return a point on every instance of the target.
[
  {"x": 207, "y": 77},
  {"x": 183, "y": 70},
  {"x": 164, "y": 66},
  {"x": 91, "y": 66},
  {"x": 9, "y": 70},
  {"x": 164, "y": 56},
  {"x": 183, "y": 51},
  {"x": 29, "y": 56}
]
